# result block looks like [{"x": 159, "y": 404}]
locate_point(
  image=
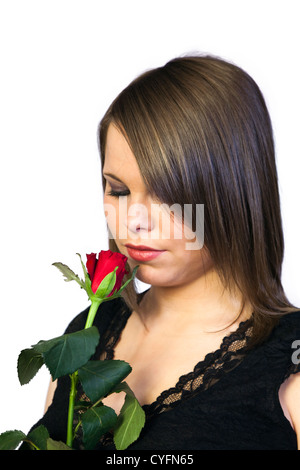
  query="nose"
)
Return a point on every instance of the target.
[{"x": 139, "y": 220}]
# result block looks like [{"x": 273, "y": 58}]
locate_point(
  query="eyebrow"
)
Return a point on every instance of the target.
[{"x": 113, "y": 177}]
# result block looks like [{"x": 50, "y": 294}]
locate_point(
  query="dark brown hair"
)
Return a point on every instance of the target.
[{"x": 201, "y": 134}]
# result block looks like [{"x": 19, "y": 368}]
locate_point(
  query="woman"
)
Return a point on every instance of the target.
[{"x": 210, "y": 343}]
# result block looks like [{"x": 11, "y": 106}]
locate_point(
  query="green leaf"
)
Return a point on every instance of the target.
[
  {"x": 56, "y": 445},
  {"x": 123, "y": 387},
  {"x": 88, "y": 283},
  {"x": 82, "y": 405},
  {"x": 96, "y": 422},
  {"x": 29, "y": 363},
  {"x": 107, "y": 284},
  {"x": 65, "y": 354},
  {"x": 130, "y": 421},
  {"x": 68, "y": 274},
  {"x": 39, "y": 437},
  {"x": 98, "y": 378},
  {"x": 36, "y": 439},
  {"x": 10, "y": 440}
]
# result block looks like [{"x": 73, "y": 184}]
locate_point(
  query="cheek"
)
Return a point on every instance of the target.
[
  {"x": 200, "y": 261},
  {"x": 166, "y": 226},
  {"x": 171, "y": 226},
  {"x": 111, "y": 212},
  {"x": 189, "y": 263}
]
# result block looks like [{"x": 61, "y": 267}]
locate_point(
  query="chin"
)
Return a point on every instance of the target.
[
  {"x": 149, "y": 276},
  {"x": 145, "y": 278},
  {"x": 145, "y": 274}
]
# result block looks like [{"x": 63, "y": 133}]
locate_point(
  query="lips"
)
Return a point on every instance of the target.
[{"x": 142, "y": 252}]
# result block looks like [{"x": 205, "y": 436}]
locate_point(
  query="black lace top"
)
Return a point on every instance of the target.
[{"x": 228, "y": 402}]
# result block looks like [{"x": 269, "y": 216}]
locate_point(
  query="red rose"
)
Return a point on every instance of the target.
[{"x": 99, "y": 268}]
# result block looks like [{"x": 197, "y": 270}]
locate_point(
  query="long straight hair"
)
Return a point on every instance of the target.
[{"x": 201, "y": 134}]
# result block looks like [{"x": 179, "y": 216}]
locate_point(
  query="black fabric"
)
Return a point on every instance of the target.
[{"x": 229, "y": 402}]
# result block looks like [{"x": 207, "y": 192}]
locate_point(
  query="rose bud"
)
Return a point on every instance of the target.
[{"x": 106, "y": 263}]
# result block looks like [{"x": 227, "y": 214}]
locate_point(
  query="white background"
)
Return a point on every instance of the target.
[{"x": 62, "y": 62}]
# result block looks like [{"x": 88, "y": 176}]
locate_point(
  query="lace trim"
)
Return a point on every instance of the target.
[
  {"x": 114, "y": 332},
  {"x": 205, "y": 374}
]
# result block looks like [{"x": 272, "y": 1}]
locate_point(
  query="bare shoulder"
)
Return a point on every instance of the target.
[
  {"x": 289, "y": 395},
  {"x": 50, "y": 394}
]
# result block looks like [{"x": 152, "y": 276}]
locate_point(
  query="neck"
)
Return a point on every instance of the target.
[{"x": 205, "y": 303}]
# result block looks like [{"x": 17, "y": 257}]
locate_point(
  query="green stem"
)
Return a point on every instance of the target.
[
  {"x": 92, "y": 312},
  {"x": 74, "y": 377},
  {"x": 72, "y": 396}
]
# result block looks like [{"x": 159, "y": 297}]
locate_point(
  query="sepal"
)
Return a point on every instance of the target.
[
  {"x": 107, "y": 284},
  {"x": 118, "y": 292},
  {"x": 87, "y": 280},
  {"x": 68, "y": 274},
  {"x": 129, "y": 280}
]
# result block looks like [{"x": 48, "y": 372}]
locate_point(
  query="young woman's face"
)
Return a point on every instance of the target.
[{"x": 145, "y": 231}]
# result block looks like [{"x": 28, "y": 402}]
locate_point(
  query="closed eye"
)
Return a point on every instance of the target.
[
  {"x": 114, "y": 188},
  {"x": 114, "y": 193}
]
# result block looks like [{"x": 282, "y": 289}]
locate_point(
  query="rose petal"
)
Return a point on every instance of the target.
[{"x": 91, "y": 265}]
